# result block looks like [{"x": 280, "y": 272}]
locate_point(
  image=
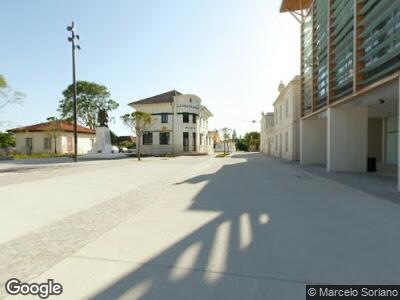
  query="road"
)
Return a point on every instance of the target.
[{"x": 243, "y": 227}]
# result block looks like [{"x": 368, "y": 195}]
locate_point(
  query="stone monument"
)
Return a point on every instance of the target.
[{"x": 103, "y": 147}]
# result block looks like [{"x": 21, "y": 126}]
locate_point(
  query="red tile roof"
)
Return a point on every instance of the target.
[{"x": 65, "y": 126}]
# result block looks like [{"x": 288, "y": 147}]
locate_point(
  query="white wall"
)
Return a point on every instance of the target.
[
  {"x": 37, "y": 142},
  {"x": 347, "y": 139},
  {"x": 285, "y": 120},
  {"x": 182, "y": 104},
  {"x": 84, "y": 142},
  {"x": 313, "y": 141}
]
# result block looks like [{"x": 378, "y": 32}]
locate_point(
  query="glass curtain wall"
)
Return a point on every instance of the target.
[
  {"x": 320, "y": 14},
  {"x": 307, "y": 63},
  {"x": 380, "y": 38},
  {"x": 342, "y": 44}
]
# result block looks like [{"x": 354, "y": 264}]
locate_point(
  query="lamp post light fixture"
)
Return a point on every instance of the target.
[{"x": 73, "y": 38}]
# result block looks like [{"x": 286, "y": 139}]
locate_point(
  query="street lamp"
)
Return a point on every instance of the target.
[{"x": 72, "y": 39}]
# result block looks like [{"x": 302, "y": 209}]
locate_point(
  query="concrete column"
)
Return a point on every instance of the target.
[
  {"x": 313, "y": 141},
  {"x": 347, "y": 139}
]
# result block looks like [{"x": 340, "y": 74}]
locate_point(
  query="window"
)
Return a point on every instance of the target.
[
  {"x": 147, "y": 138},
  {"x": 164, "y": 118},
  {"x": 287, "y": 108},
  {"x": 276, "y": 143},
  {"x": 280, "y": 113},
  {"x": 47, "y": 143},
  {"x": 164, "y": 138},
  {"x": 194, "y": 141},
  {"x": 28, "y": 142},
  {"x": 69, "y": 143},
  {"x": 194, "y": 119},
  {"x": 286, "y": 141},
  {"x": 185, "y": 117}
]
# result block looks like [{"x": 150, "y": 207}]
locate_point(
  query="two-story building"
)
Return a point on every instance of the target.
[
  {"x": 350, "y": 68},
  {"x": 280, "y": 130},
  {"x": 179, "y": 124}
]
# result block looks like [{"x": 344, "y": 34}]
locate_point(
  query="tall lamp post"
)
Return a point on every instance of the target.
[{"x": 73, "y": 39}]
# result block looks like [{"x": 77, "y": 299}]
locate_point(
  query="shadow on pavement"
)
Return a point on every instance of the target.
[{"x": 276, "y": 232}]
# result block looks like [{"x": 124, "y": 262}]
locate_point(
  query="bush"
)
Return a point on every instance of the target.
[
  {"x": 7, "y": 140},
  {"x": 240, "y": 146},
  {"x": 40, "y": 155},
  {"x": 126, "y": 144}
]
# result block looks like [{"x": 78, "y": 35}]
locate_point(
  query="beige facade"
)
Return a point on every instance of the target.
[
  {"x": 179, "y": 124},
  {"x": 42, "y": 142},
  {"x": 52, "y": 137},
  {"x": 280, "y": 130}
]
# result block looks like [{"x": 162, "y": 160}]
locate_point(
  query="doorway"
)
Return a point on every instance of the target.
[{"x": 185, "y": 141}]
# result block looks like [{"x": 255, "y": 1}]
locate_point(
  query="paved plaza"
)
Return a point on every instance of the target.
[{"x": 241, "y": 227}]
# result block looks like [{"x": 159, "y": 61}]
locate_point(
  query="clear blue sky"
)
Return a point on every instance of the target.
[{"x": 231, "y": 53}]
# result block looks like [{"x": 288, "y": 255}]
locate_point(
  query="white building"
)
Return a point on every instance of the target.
[
  {"x": 180, "y": 124},
  {"x": 40, "y": 138},
  {"x": 280, "y": 130}
]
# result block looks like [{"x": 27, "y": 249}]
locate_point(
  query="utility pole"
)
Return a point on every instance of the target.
[{"x": 72, "y": 39}]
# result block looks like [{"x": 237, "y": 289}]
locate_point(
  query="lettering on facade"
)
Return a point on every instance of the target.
[{"x": 187, "y": 106}]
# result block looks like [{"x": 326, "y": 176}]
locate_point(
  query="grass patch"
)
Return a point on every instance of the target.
[
  {"x": 40, "y": 156},
  {"x": 222, "y": 155}
]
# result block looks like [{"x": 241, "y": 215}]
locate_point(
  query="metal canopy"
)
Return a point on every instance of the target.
[{"x": 295, "y": 5}]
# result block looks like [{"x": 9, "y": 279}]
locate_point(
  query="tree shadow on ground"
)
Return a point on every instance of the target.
[{"x": 276, "y": 232}]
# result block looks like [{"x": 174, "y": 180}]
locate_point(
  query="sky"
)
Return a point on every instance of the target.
[{"x": 231, "y": 53}]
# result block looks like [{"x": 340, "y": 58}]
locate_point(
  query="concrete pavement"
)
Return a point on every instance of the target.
[{"x": 244, "y": 227}]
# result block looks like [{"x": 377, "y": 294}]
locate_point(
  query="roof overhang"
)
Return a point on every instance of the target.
[
  {"x": 205, "y": 109},
  {"x": 295, "y": 5}
]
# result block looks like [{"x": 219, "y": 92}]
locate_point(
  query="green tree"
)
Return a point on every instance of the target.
[
  {"x": 234, "y": 136},
  {"x": 114, "y": 138},
  {"x": 8, "y": 95},
  {"x": 91, "y": 98},
  {"x": 138, "y": 122},
  {"x": 240, "y": 144},
  {"x": 7, "y": 140},
  {"x": 226, "y": 135},
  {"x": 126, "y": 144},
  {"x": 252, "y": 140},
  {"x": 54, "y": 130},
  {"x": 3, "y": 82}
]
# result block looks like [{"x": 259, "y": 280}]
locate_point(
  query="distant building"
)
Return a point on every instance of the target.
[
  {"x": 39, "y": 138},
  {"x": 280, "y": 130},
  {"x": 214, "y": 135},
  {"x": 180, "y": 124}
]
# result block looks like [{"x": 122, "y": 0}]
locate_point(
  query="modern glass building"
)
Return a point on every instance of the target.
[{"x": 350, "y": 66}]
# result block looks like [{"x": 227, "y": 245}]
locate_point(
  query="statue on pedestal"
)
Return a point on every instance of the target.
[{"x": 103, "y": 118}]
